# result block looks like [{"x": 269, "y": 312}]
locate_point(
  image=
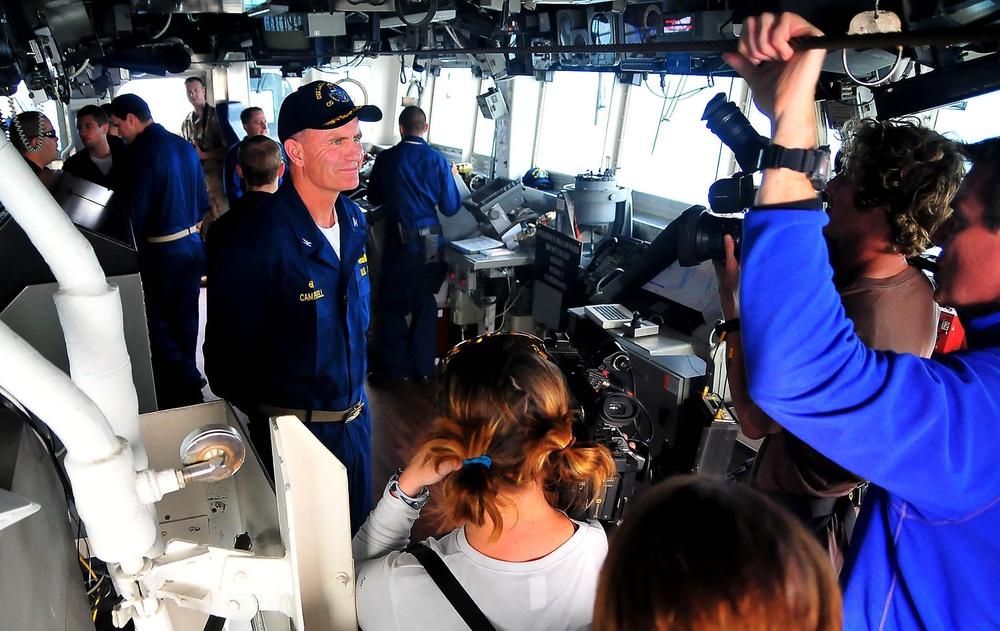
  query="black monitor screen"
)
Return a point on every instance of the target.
[{"x": 507, "y": 193}]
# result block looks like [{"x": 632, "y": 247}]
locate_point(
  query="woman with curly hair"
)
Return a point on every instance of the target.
[{"x": 505, "y": 467}]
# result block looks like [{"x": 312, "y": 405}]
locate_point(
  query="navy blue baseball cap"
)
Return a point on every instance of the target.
[
  {"x": 537, "y": 178},
  {"x": 321, "y": 105}
]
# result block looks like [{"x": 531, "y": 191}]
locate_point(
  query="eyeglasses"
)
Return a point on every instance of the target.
[
  {"x": 47, "y": 134},
  {"x": 516, "y": 337}
]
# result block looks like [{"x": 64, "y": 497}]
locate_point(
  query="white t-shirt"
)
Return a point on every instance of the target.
[
  {"x": 104, "y": 164},
  {"x": 394, "y": 592},
  {"x": 332, "y": 235}
]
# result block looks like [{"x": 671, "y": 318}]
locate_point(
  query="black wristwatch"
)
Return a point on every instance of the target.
[
  {"x": 727, "y": 326},
  {"x": 815, "y": 163}
]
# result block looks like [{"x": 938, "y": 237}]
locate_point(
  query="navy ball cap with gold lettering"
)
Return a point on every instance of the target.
[{"x": 321, "y": 105}]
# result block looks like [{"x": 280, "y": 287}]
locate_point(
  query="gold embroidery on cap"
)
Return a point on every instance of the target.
[{"x": 342, "y": 116}]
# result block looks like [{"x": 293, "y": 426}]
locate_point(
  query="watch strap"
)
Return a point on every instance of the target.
[
  {"x": 815, "y": 163},
  {"x": 416, "y": 503},
  {"x": 727, "y": 326}
]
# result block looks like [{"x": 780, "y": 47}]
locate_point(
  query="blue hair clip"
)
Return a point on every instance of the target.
[{"x": 483, "y": 460}]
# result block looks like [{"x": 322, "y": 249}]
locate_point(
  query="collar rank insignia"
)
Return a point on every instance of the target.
[{"x": 307, "y": 242}]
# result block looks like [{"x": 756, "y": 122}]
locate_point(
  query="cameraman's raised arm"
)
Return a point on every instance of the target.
[{"x": 784, "y": 89}]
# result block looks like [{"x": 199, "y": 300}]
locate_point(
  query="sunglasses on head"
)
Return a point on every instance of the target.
[{"x": 526, "y": 340}]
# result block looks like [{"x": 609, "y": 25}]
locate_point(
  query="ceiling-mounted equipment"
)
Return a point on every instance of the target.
[{"x": 572, "y": 30}]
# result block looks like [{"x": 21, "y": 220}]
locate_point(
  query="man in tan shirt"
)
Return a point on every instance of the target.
[{"x": 201, "y": 128}]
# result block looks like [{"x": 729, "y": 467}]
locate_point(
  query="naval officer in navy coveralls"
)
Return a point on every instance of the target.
[
  {"x": 411, "y": 179},
  {"x": 288, "y": 301},
  {"x": 164, "y": 191}
]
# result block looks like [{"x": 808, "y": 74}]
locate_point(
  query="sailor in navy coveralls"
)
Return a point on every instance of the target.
[
  {"x": 414, "y": 181},
  {"x": 164, "y": 192}
]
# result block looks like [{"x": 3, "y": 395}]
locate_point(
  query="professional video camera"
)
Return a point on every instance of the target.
[{"x": 611, "y": 416}]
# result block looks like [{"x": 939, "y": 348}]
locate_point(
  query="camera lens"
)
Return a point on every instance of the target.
[
  {"x": 711, "y": 236},
  {"x": 702, "y": 236},
  {"x": 726, "y": 121}
]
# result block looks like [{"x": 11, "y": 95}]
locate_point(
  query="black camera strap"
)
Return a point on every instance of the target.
[{"x": 451, "y": 588}]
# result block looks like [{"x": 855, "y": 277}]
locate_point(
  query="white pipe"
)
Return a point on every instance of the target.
[
  {"x": 156, "y": 620},
  {"x": 120, "y": 528},
  {"x": 99, "y": 362},
  {"x": 51, "y": 396},
  {"x": 89, "y": 309},
  {"x": 100, "y": 467}
]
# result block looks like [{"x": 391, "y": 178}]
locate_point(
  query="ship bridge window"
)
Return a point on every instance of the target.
[
  {"x": 166, "y": 96},
  {"x": 971, "y": 120},
  {"x": 573, "y": 134},
  {"x": 453, "y": 109},
  {"x": 485, "y": 131},
  {"x": 667, "y": 150}
]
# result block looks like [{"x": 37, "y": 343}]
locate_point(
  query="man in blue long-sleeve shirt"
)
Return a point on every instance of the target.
[
  {"x": 414, "y": 181},
  {"x": 165, "y": 194},
  {"x": 926, "y": 550}
]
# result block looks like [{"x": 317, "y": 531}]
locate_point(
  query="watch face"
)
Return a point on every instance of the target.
[{"x": 820, "y": 174}]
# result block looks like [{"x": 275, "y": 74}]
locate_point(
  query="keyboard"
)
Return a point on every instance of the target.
[{"x": 610, "y": 316}]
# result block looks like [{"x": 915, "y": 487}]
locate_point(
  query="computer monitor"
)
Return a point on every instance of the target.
[
  {"x": 695, "y": 288},
  {"x": 660, "y": 253},
  {"x": 502, "y": 192},
  {"x": 655, "y": 285}
]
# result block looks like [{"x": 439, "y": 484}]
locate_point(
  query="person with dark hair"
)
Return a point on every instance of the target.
[
  {"x": 414, "y": 182},
  {"x": 701, "y": 554},
  {"x": 254, "y": 124},
  {"x": 288, "y": 299},
  {"x": 892, "y": 191},
  {"x": 107, "y": 111},
  {"x": 96, "y": 163},
  {"x": 927, "y": 544},
  {"x": 163, "y": 189},
  {"x": 261, "y": 167},
  {"x": 201, "y": 128},
  {"x": 32, "y": 135},
  {"x": 499, "y": 453}
]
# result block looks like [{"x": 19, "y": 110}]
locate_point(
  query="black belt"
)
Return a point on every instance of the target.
[
  {"x": 315, "y": 416},
  {"x": 422, "y": 232}
]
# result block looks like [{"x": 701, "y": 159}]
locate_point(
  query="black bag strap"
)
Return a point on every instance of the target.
[
  {"x": 451, "y": 588},
  {"x": 10, "y": 445}
]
